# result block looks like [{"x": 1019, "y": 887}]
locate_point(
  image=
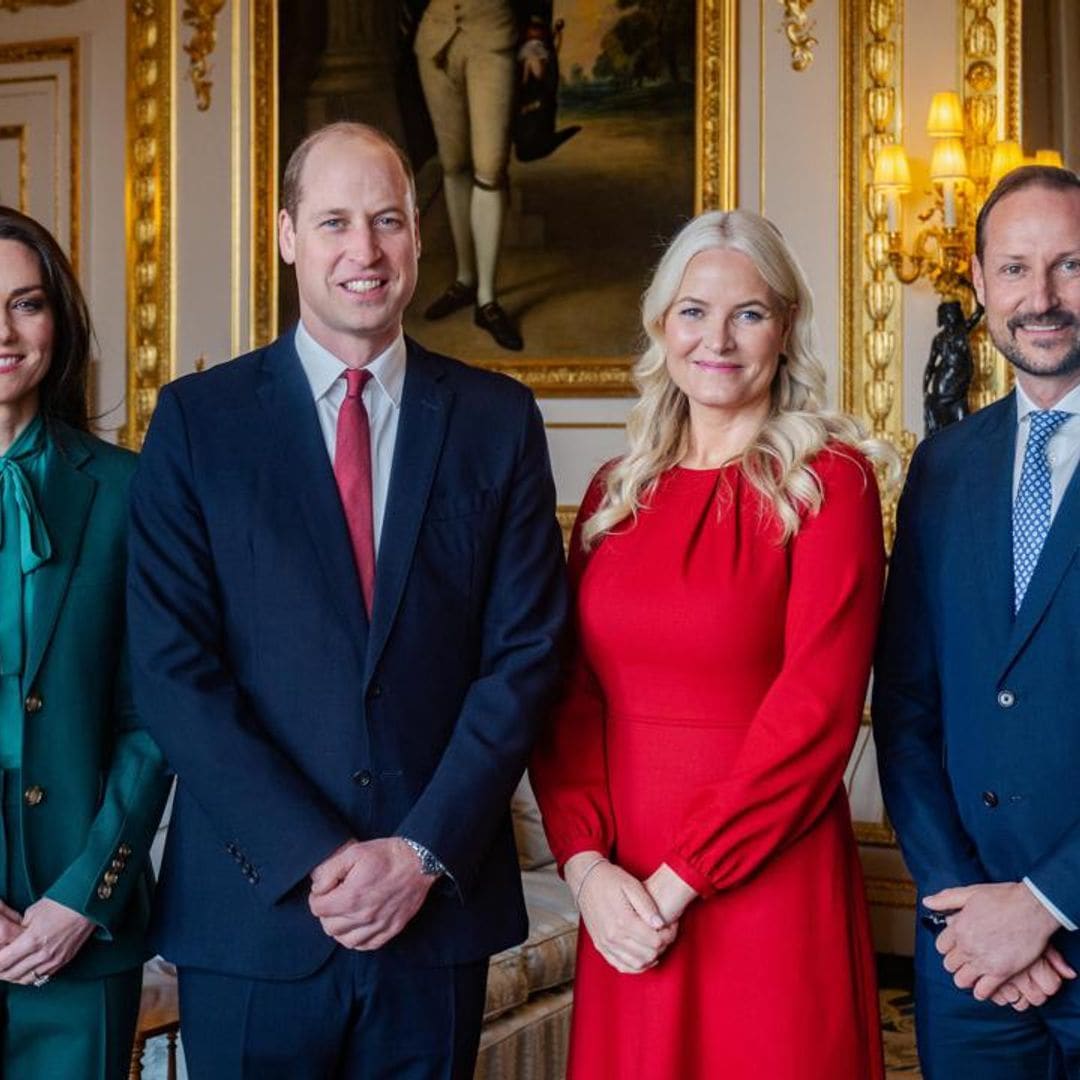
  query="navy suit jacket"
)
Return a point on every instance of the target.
[
  {"x": 977, "y": 712},
  {"x": 292, "y": 724}
]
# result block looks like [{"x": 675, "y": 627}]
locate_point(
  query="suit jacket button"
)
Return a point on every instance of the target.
[
  {"x": 33, "y": 703},
  {"x": 33, "y": 796},
  {"x": 363, "y": 778},
  {"x": 124, "y": 850},
  {"x": 375, "y": 690},
  {"x": 104, "y": 891},
  {"x": 990, "y": 798},
  {"x": 110, "y": 877},
  {"x": 117, "y": 864},
  {"x": 1006, "y": 699}
]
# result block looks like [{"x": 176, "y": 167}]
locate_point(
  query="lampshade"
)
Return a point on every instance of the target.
[
  {"x": 946, "y": 119},
  {"x": 1007, "y": 156},
  {"x": 1049, "y": 157},
  {"x": 891, "y": 169},
  {"x": 948, "y": 162}
]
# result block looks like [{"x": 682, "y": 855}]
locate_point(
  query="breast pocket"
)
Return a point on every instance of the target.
[{"x": 456, "y": 528}]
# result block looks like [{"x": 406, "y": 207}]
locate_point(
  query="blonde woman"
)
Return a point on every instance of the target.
[{"x": 728, "y": 573}]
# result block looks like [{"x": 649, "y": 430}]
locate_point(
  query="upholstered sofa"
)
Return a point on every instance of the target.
[{"x": 527, "y": 1019}]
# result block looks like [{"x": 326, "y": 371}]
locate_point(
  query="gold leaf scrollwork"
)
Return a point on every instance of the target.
[
  {"x": 798, "y": 28},
  {"x": 991, "y": 63},
  {"x": 149, "y": 194},
  {"x": 201, "y": 16},
  {"x": 18, "y": 5}
]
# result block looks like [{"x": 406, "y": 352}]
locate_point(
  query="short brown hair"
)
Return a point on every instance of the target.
[
  {"x": 291, "y": 190},
  {"x": 1026, "y": 176},
  {"x": 63, "y": 390}
]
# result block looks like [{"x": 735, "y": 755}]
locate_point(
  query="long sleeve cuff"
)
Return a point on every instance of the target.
[{"x": 1049, "y": 905}]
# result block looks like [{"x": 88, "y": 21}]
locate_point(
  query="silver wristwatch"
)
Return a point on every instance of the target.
[{"x": 429, "y": 864}]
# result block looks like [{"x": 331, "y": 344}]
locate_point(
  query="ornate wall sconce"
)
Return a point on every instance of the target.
[
  {"x": 941, "y": 250},
  {"x": 965, "y": 165}
]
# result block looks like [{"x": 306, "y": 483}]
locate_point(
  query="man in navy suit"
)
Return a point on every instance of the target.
[
  {"x": 977, "y": 686},
  {"x": 346, "y": 597}
]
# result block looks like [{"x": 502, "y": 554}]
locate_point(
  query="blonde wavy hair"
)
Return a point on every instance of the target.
[{"x": 776, "y": 462}]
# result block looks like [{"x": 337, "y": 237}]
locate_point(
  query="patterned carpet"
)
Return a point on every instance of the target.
[{"x": 898, "y": 1018}]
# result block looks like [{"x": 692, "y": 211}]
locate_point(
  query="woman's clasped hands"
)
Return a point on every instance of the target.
[{"x": 630, "y": 922}]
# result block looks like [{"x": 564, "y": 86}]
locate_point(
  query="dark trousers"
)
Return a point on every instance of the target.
[
  {"x": 361, "y": 1016},
  {"x": 960, "y": 1037}
]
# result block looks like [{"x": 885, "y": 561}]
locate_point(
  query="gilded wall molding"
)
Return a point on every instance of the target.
[
  {"x": 890, "y": 892},
  {"x": 17, "y": 133},
  {"x": 990, "y": 62},
  {"x": 263, "y": 30},
  {"x": 201, "y": 16},
  {"x": 717, "y": 109},
  {"x": 872, "y": 333},
  {"x": 799, "y": 31},
  {"x": 148, "y": 200},
  {"x": 67, "y": 51},
  {"x": 18, "y": 5}
]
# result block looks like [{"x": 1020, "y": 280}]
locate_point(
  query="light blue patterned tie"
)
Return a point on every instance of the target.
[{"x": 1031, "y": 511}]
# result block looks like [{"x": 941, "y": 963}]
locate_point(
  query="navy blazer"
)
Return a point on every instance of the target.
[
  {"x": 292, "y": 724},
  {"x": 976, "y": 713}
]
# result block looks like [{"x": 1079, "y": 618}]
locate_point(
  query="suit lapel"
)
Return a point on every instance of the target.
[
  {"x": 425, "y": 409},
  {"x": 64, "y": 502},
  {"x": 988, "y": 491},
  {"x": 301, "y": 466},
  {"x": 1057, "y": 554}
]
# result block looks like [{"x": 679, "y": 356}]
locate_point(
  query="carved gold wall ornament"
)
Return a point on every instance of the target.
[
  {"x": 872, "y": 365},
  {"x": 798, "y": 28},
  {"x": 149, "y": 187},
  {"x": 262, "y": 21},
  {"x": 990, "y": 44},
  {"x": 201, "y": 16}
]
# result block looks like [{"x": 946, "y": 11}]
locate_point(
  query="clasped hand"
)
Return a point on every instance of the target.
[
  {"x": 41, "y": 941},
  {"x": 996, "y": 944},
  {"x": 630, "y": 922},
  {"x": 366, "y": 892}
]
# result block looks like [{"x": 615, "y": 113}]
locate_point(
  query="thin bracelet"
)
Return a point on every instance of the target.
[{"x": 584, "y": 877}]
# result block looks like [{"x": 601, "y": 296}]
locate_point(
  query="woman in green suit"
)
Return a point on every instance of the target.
[{"x": 81, "y": 784}]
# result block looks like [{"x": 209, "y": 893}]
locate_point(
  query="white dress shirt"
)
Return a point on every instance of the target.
[
  {"x": 382, "y": 399},
  {"x": 1063, "y": 453}
]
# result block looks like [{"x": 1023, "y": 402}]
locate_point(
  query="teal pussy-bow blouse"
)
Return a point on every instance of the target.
[{"x": 24, "y": 546}]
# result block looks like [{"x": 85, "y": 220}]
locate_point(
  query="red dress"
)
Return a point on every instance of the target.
[{"x": 718, "y": 687}]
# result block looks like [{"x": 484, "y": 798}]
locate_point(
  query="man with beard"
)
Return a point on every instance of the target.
[{"x": 978, "y": 673}]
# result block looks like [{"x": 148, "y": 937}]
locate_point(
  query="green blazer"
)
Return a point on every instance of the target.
[{"x": 94, "y": 783}]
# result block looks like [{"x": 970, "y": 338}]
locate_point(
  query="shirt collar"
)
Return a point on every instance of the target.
[
  {"x": 323, "y": 368},
  {"x": 1070, "y": 403}
]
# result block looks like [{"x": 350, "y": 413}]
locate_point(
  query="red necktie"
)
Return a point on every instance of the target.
[{"x": 352, "y": 470}]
